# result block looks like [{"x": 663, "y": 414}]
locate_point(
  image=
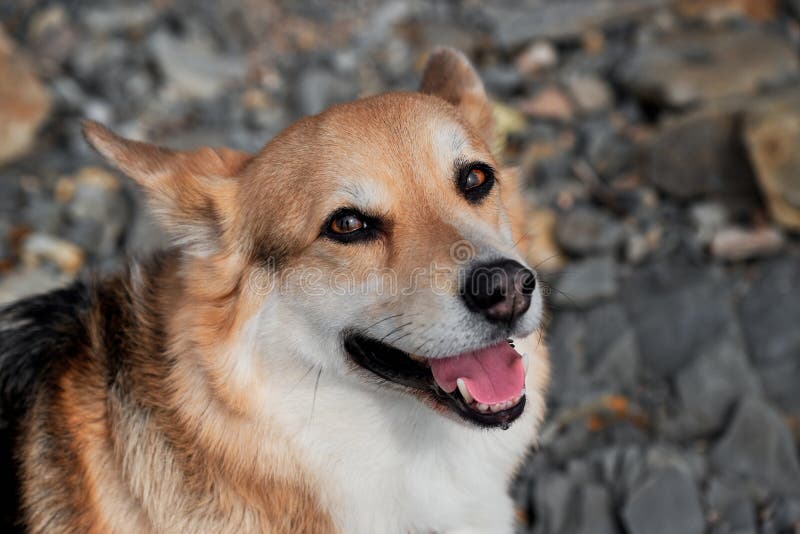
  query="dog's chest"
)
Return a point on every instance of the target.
[{"x": 396, "y": 466}]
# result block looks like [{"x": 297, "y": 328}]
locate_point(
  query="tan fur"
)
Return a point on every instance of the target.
[{"x": 157, "y": 425}]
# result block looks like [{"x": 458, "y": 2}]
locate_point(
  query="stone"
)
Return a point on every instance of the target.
[
  {"x": 666, "y": 503},
  {"x": 318, "y": 88},
  {"x": 536, "y": 57},
  {"x": 676, "y": 309},
  {"x": 715, "y": 11},
  {"x": 772, "y": 134},
  {"x": 593, "y": 511},
  {"x": 23, "y": 283},
  {"x": 699, "y": 154},
  {"x": 24, "y": 102},
  {"x": 768, "y": 310},
  {"x": 758, "y": 447},
  {"x": 515, "y": 25},
  {"x": 608, "y": 152},
  {"x": 552, "y": 496},
  {"x": 192, "y": 68},
  {"x": 736, "y": 243},
  {"x": 710, "y": 386},
  {"x": 548, "y": 104},
  {"x": 590, "y": 93},
  {"x": 688, "y": 68},
  {"x": 117, "y": 18},
  {"x": 732, "y": 507},
  {"x": 585, "y": 282},
  {"x": 586, "y": 230},
  {"x": 708, "y": 219},
  {"x": 97, "y": 211},
  {"x": 38, "y": 248}
]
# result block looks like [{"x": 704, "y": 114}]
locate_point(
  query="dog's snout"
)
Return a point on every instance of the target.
[{"x": 500, "y": 291}]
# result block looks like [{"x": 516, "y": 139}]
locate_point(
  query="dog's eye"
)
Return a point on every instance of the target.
[
  {"x": 475, "y": 180},
  {"x": 348, "y": 225}
]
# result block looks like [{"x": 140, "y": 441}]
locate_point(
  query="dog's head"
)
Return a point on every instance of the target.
[{"x": 375, "y": 237}]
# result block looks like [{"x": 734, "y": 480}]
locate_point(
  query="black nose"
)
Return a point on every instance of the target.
[{"x": 500, "y": 291}]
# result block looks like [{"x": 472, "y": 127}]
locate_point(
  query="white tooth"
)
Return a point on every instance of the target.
[
  {"x": 483, "y": 407},
  {"x": 496, "y": 407},
  {"x": 462, "y": 387},
  {"x": 525, "y": 361}
]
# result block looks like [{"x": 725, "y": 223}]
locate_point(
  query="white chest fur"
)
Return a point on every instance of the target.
[{"x": 386, "y": 463}]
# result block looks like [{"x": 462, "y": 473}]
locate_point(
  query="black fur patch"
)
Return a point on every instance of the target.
[{"x": 35, "y": 335}]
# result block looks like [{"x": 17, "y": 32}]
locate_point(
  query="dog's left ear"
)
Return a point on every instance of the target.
[
  {"x": 449, "y": 75},
  {"x": 192, "y": 193}
]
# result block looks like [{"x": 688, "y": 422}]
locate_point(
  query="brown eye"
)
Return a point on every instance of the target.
[
  {"x": 475, "y": 181},
  {"x": 475, "y": 178},
  {"x": 347, "y": 223}
]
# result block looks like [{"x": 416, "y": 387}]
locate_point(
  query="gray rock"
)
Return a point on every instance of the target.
[
  {"x": 21, "y": 283},
  {"x": 318, "y": 88},
  {"x": 612, "y": 355},
  {"x": 110, "y": 19},
  {"x": 676, "y": 310},
  {"x": 97, "y": 211},
  {"x": 515, "y": 25},
  {"x": 586, "y": 230},
  {"x": 769, "y": 311},
  {"x": 758, "y": 446},
  {"x": 732, "y": 508},
  {"x": 593, "y": 511},
  {"x": 710, "y": 385},
  {"x": 700, "y": 154},
  {"x": 586, "y": 282},
  {"x": 193, "y": 68},
  {"x": 591, "y": 93},
  {"x": 688, "y": 68},
  {"x": 708, "y": 219},
  {"x": 736, "y": 243},
  {"x": 553, "y": 495},
  {"x": 666, "y": 503}
]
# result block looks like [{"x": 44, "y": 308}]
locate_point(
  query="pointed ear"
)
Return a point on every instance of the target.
[
  {"x": 193, "y": 193},
  {"x": 449, "y": 74}
]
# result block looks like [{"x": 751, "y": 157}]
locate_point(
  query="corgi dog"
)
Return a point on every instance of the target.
[{"x": 344, "y": 336}]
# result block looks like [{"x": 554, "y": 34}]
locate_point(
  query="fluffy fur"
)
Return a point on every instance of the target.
[{"x": 207, "y": 390}]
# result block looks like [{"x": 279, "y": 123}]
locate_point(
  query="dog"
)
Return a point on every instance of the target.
[{"x": 344, "y": 336}]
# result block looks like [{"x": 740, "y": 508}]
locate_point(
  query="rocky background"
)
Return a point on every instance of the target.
[{"x": 659, "y": 141}]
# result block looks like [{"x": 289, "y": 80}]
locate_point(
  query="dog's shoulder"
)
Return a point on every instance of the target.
[{"x": 36, "y": 334}]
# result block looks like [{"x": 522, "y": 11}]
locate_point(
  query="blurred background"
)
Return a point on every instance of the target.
[{"x": 659, "y": 143}]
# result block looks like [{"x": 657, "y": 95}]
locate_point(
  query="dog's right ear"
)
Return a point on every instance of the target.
[
  {"x": 449, "y": 75},
  {"x": 193, "y": 193}
]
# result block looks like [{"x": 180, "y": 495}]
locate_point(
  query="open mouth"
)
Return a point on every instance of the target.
[{"x": 485, "y": 387}]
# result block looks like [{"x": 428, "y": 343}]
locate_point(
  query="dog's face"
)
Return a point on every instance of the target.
[{"x": 373, "y": 237}]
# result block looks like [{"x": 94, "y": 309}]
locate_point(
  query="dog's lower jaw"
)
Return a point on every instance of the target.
[{"x": 385, "y": 462}]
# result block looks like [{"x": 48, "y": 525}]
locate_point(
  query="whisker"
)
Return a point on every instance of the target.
[{"x": 314, "y": 400}]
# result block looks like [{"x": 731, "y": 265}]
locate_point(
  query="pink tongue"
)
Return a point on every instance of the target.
[{"x": 492, "y": 375}]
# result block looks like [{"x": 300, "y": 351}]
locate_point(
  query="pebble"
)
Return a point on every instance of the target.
[
  {"x": 769, "y": 310},
  {"x": 692, "y": 67},
  {"x": 676, "y": 310},
  {"x": 549, "y": 104},
  {"x": 37, "y": 248},
  {"x": 586, "y": 282},
  {"x": 772, "y": 134},
  {"x": 591, "y": 93},
  {"x": 736, "y": 243},
  {"x": 24, "y": 102},
  {"x": 699, "y": 154},
  {"x": 759, "y": 447},
  {"x": 536, "y": 57},
  {"x": 668, "y": 502},
  {"x": 585, "y": 230},
  {"x": 732, "y": 509},
  {"x": 193, "y": 68}
]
